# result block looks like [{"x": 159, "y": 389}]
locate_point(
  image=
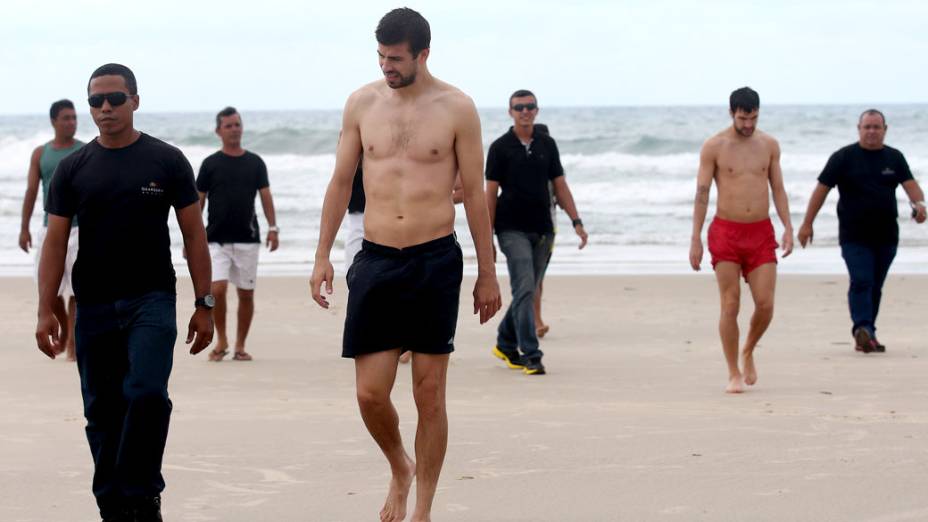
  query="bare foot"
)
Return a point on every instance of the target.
[
  {"x": 735, "y": 385},
  {"x": 750, "y": 373},
  {"x": 540, "y": 331},
  {"x": 394, "y": 509},
  {"x": 405, "y": 357}
]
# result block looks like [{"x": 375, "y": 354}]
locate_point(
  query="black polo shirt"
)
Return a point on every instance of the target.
[
  {"x": 523, "y": 175},
  {"x": 866, "y": 181},
  {"x": 122, "y": 198}
]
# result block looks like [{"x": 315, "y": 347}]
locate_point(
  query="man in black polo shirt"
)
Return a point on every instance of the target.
[
  {"x": 521, "y": 163},
  {"x": 121, "y": 186},
  {"x": 866, "y": 174},
  {"x": 230, "y": 179}
]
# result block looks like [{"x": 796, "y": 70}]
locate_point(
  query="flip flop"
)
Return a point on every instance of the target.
[
  {"x": 241, "y": 356},
  {"x": 215, "y": 356}
]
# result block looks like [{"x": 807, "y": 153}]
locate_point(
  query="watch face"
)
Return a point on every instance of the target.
[{"x": 209, "y": 300}]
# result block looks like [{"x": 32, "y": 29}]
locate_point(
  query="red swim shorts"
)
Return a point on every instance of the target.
[{"x": 750, "y": 245}]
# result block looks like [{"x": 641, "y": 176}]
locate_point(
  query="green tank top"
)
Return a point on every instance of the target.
[{"x": 48, "y": 162}]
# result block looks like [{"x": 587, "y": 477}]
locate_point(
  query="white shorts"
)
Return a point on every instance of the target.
[
  {"x": 65, "y": 290},
  {"x": 236, "y": 263},
  {"x": 355, "y": 222}
]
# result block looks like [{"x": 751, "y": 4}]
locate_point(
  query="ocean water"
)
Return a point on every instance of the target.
[{"x": 631, "y": 170}]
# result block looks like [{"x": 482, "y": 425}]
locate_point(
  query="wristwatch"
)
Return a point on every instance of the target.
[
  {"x": 576, "y": 222},
  {"x": 273, "y": 228},
  {"x": 207, "y": 301}
]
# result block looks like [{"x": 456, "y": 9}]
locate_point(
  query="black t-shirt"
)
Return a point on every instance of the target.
[
  {"x": 231, "y": 183},
  {"x": 867, "y": 181},
  {"x": 121, "y": 198},
  {"x": 523, "y": 174},
  {"x": 357, "y": 201}
]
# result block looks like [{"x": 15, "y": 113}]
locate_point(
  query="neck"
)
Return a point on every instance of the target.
[
  {"x": 62, "y": 142},
  {"x": 870, "y": 147},
  {"x": 524, "y": 133},
  {"x": 424, "y": 81},
  {"x": 120, "y": 140},
  {"x": 233, "y": 149}
]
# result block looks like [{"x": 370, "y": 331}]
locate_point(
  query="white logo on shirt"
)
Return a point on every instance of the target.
[
  {"x": 153, "y": 189},
  {"x": 888, "y": 172}
]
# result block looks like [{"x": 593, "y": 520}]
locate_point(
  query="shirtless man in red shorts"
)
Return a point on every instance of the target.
[{"x": 743, "y": 162}]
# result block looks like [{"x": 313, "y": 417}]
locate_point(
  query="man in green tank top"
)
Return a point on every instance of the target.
[{"x": 42, "y": 166}]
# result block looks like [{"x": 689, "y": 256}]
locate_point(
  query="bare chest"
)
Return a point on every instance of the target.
[
  {"x": 743, "y": 162},
  {"x": 422, "y": 135}
]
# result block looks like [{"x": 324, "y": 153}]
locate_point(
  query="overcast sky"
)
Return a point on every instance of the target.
[{"x": 303, "y": 54}]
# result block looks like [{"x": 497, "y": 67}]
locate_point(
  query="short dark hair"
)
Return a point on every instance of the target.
[
  {"x": 57, "y": 106},
  {"x": 404, "y": 25},
  {"x": 870, "y": 112},
  {"x": 115, "y": 69},
  {"x": 228, "y": 111},
  {"x": 745, "y": 99},
  {"x": 520, "y": 93}
]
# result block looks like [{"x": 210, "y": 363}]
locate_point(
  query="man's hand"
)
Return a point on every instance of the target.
[
  {"x": 920, "y": 213},
  {"x": 582, "y": 233},
  {"x": 323, "y": 273},
  {"x": 486, "y": 297},
  {"x": 787, "y": 242},
  {"x": 46, "y": 335},
  {"x": 695, "y": 253},
  {"x": 25, "y": 241},
  {"x": 201, "y": 326},
  {"x": 272, "y": 243},
  {"x": 805, "y": 234}
]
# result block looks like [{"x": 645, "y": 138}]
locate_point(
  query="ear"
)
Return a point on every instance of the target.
[
  {"x": 423, "y": 55},
  {"x": 135, "y": 102}
]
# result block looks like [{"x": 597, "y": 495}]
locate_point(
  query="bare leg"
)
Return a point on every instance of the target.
[
  {"x": 727, "y": 275},
  {"x": 429, "y": 377},
  {"x": 375, "y": 374},
  {"x": 763, "y": 281},
  {"x": 61, "y": 313},
  {"x": 407, "y": 355},
  {"x": 70, "y": 346},
  {"x": 246, "y": 311},
  {"x": 540, "y": 327},
  {"x": 219, "y": 314}
]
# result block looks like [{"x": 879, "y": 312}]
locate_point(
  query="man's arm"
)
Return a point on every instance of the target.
[
  {"x": 780, "y": 199},
  {"x": 816, "y": 200},
  {"x": 32, "y": 191},
  {"x": 469, "y": 151},
  {"x": 267, "y": 203},
  {"x": 202, "y": 201},
  {"x": 190, "y": 220},
  {"x": 916, "y": 199},
  {"x": 51, "y": 269},
  {"x": 566, "y": 201},
  {"x": 337, "y": 196},
  {"x": 701, "y": 202}
]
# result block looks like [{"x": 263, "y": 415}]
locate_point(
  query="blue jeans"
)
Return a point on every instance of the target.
[
  {"x": 526, "y": 258},
  {"x": 125, "y": 351},
  {"x": 867, "y": 266}
]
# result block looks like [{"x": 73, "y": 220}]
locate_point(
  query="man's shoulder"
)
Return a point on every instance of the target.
[
  {"x": 159, "y": 146},
  {"x": 894, "y": 151}
]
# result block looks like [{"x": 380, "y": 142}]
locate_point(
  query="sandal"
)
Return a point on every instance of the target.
[
  {"x": 241, "y": 356},
  {"x": 216, "y": 356}
]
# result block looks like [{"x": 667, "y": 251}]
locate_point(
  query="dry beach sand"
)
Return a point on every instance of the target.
[{"x": 631, "y": 423}]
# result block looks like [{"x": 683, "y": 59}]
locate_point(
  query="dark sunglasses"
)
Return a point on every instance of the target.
[
  {"x": 115, "y": 98},
  {"x": 519, "y": 107}
]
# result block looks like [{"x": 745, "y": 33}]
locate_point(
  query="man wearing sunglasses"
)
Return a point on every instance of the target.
[
  {"x": 415, "y": 133},
  {"x": 42, "y": 165},
  {"x": 230, "y": 179},
  {"x": 520, "y": 165},
  {"x": 122, "y": 186}
]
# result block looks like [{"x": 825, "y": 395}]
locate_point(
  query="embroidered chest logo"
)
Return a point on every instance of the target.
[
  {"x": 888, "y": 172},
  {"x": 152, "y": 189}
]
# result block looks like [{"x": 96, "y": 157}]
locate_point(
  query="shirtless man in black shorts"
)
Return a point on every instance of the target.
[{"x": 415, "y": 132}]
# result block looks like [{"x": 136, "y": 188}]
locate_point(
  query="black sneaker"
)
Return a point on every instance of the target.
[
  {"x": 864, "y": 342},
  {"x": 879, "y": 348},
  {"x": 147, "y": 509},
  {"x": 513, "y": 361},
  {"x": 115, "y": 511},
  {"x": 534, "y": 367}
]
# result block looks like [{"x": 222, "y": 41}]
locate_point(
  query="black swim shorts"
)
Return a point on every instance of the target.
[{"x": 404, "y": 298}]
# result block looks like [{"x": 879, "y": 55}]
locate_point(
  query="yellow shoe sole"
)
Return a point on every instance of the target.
[{"x": 500, "y": 355}]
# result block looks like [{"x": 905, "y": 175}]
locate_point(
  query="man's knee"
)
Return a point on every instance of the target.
[
  {"x": 372, "y": 399},
  {"x": 246, "y": 296},
  {"x": 429, "y": 394},
  {"x": 146, "y": 393},
  {"x": 731, "y": 304},
  {"x": 764, "y": 307}
]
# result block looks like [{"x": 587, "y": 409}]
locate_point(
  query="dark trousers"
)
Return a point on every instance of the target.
[
  {"x": 526, "y": 258},
  {"x": 867, "y": 266},
  {"x": 125, "y": 351}
]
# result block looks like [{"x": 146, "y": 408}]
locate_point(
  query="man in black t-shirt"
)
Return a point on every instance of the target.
[
  {"x": 866, "y": 174},
  {"x": 121, "y": 186},
  {"x": 230, "y": 179},
  {"x": 521, "y": 163}
]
